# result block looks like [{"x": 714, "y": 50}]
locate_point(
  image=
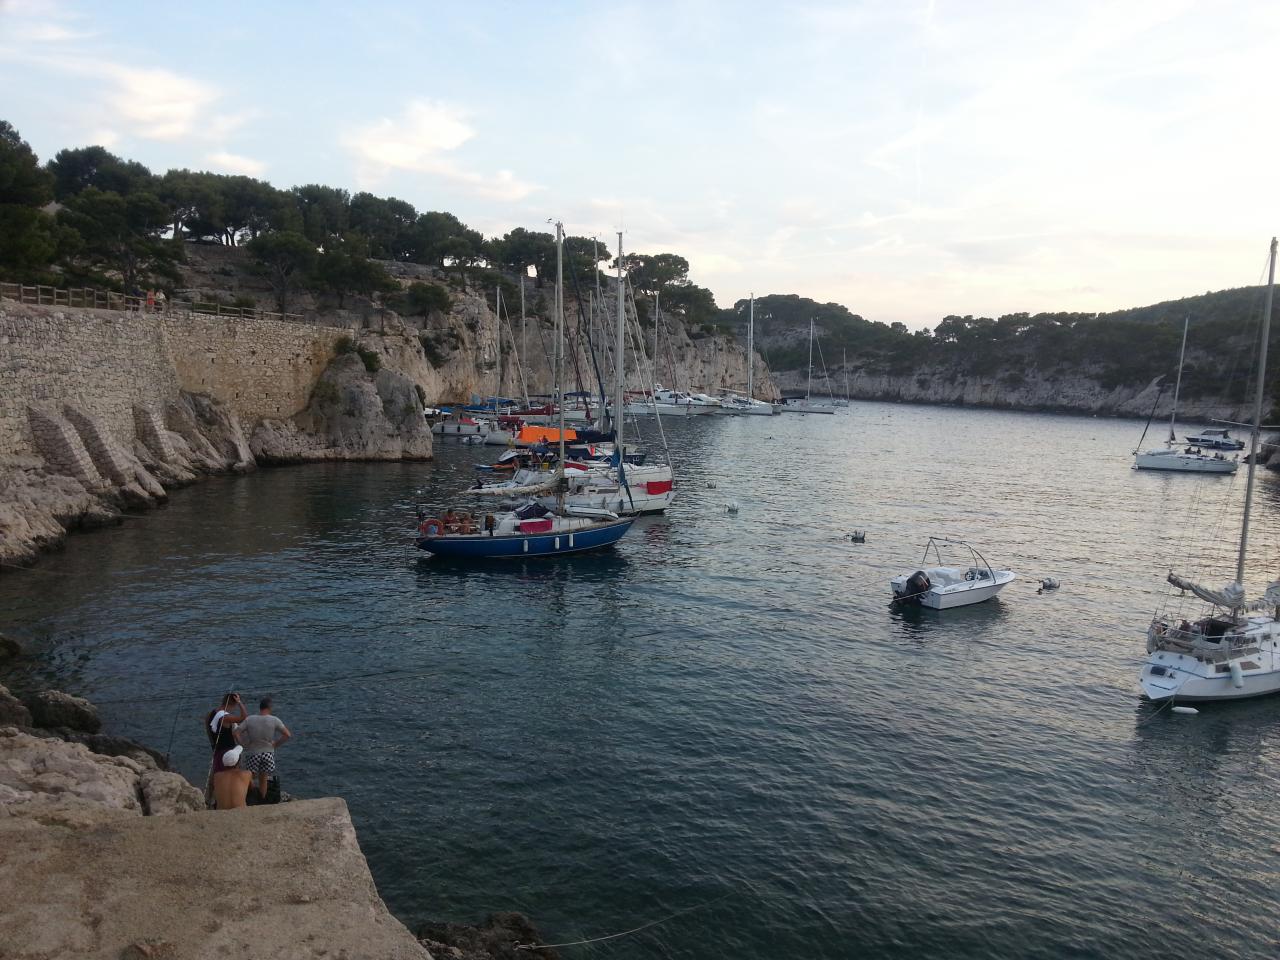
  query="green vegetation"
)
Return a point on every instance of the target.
[{"x": 371, "y": 358}]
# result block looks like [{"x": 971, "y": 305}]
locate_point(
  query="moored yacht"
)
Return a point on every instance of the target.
[
  {"x": 1231, "y": 650},
  {"x": 1185, "y": 460}
]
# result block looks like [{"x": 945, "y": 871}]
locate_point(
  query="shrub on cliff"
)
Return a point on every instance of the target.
[
  {"x": 422, "y": 298},
  {"x": 343, "y": 272},
  {"x": 284, "y": 258}
]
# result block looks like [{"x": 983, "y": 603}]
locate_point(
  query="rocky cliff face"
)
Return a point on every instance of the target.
[
  {"x": 1020, "y": 389},
  {"x": 468, "y": 352}
]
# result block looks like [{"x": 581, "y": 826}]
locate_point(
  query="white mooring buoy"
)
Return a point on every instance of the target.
[{"x": 1189, "y": 710}]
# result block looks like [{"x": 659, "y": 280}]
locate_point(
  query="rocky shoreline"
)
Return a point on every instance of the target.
[{"x": 78, "y": 804}]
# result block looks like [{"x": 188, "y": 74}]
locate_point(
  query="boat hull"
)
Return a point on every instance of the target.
[
  {"x": 948, "y": 595},
  {"x": 805, "y": 408},
  {"x": 517, "y": 545},
  {"x": 1183, "y": 678},
  {"x": 669, "y": 409},
  {"x": 1182, "y": 463}
]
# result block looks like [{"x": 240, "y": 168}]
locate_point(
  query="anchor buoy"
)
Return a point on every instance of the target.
[{"x": 431, "y": 527}]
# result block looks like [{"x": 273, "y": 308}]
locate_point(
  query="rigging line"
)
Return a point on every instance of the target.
[
  {"x": 624, "y": 933},
  {"x": 173, "y": 728},
  {"x": 1144, "y": 722}
]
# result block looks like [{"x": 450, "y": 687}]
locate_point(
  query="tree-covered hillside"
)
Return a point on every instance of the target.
[
  {"x": 1124, "y": 347},
  {"x": 89, "y": 217}
]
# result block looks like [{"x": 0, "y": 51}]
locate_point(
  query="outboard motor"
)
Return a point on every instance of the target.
[{"x": 917, "y": 585}]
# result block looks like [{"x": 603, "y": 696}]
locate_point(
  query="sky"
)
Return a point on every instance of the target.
[{"x": 907, "y": 159}]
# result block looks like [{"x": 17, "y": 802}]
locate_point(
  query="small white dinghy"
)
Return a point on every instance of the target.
[{"x": 942, "y": 587}]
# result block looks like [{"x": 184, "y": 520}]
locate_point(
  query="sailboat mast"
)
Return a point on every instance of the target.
[
  {"x": 619, "y": 367},
  {"x": 1256, "y": 432},
  {"x": 751, "y": 346},
  {"x": 808, "y": 387},
  {"x": 524, "y": 338},
  {"x": 1177, "y": 386},
  {"x": 560, "y": 355},
  {"x": 657, "y": 319},
  {"x": 497, "y": 310}
]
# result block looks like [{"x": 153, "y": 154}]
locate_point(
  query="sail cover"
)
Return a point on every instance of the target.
[{"x": 1229, "y": 596}]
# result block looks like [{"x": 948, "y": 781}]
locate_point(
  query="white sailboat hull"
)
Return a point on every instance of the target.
[
  {"x": 1182, "y": 462},
  {"x": 806, "y": 408},
  {"x": 1184, "y": 677},
  {"x": 636, "y": 408}
]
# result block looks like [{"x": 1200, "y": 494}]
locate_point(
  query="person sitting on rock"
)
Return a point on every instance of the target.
[
  {"x": 230, "y": 784},
  {"x": 260, "y": 735}
]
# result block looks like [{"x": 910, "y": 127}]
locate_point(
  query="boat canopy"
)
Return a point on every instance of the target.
[
  {"x": 1231, "y": 596},
  {"x": 530, "y": 435}
]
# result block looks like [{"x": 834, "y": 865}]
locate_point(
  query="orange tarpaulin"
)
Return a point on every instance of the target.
[{"x": 532, "y": 435}]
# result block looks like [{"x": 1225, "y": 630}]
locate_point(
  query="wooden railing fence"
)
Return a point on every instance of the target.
[{"x": 111, "y": 300}]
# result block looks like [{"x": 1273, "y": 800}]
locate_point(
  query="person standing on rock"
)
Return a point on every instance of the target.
[
  {"x": 230, "y": 784},
  {"x": 260, "y": 735}
]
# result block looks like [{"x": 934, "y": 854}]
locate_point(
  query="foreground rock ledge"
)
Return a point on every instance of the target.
[{"x": 281, "y": 882}]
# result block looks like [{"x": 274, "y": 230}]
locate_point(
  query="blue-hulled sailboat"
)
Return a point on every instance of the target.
[{"x": 535, "y": 529}]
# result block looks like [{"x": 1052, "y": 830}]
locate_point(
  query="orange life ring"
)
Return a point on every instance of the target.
[{"x": 431, "y": 527}]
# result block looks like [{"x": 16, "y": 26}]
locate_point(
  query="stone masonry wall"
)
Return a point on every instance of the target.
[
  {"x": 261, "y": 369},
  {"x": 108, "y": 362},
  {"x": 102, "y": 361}
]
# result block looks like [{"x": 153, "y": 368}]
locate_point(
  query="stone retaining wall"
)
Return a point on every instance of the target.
[{"x": 111, "y": 364}]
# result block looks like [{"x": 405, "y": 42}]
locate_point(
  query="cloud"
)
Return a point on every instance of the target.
[
  {"x": 225, "y": 162},
  {"x": 420, "y": 141},
  {"x": 157, "y": 104}
]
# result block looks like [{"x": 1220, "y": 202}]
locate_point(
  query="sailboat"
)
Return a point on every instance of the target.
[
  {"x": 844, "y": 363},
  {"x": 534, "y": 529},
  {"x": 749, "y": 405},
  {"x": 1234, "y": 651},
  {"x": 807, "y": 405},
  {"x": 1174, "y": 457},
  {"x": 611, "y": 481}
]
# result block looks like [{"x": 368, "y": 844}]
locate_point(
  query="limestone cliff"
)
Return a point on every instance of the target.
[
  {"x": 468, "y": 352},
  {"x": 1015, "y": 389}
]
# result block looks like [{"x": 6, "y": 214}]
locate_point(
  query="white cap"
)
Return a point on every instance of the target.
[{"x": 232, "y": 756}]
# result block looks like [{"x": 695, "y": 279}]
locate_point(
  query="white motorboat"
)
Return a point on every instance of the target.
[
  {"x": 1216, "y": 439},
  {"x": 942, "y": 587},
  {"x": 1232, "y": 649},
  {"x": 462, "y": 426},
  {"x": 1190, "y": 459}
]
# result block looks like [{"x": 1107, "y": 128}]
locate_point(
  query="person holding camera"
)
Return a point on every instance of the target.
[{"x": 230, "y": 783}]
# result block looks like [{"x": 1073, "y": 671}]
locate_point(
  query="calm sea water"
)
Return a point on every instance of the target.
[{"x": 725, "y": 709}]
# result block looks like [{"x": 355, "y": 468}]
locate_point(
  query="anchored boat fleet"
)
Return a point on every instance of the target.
[{"x": 575, "y": 489}]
